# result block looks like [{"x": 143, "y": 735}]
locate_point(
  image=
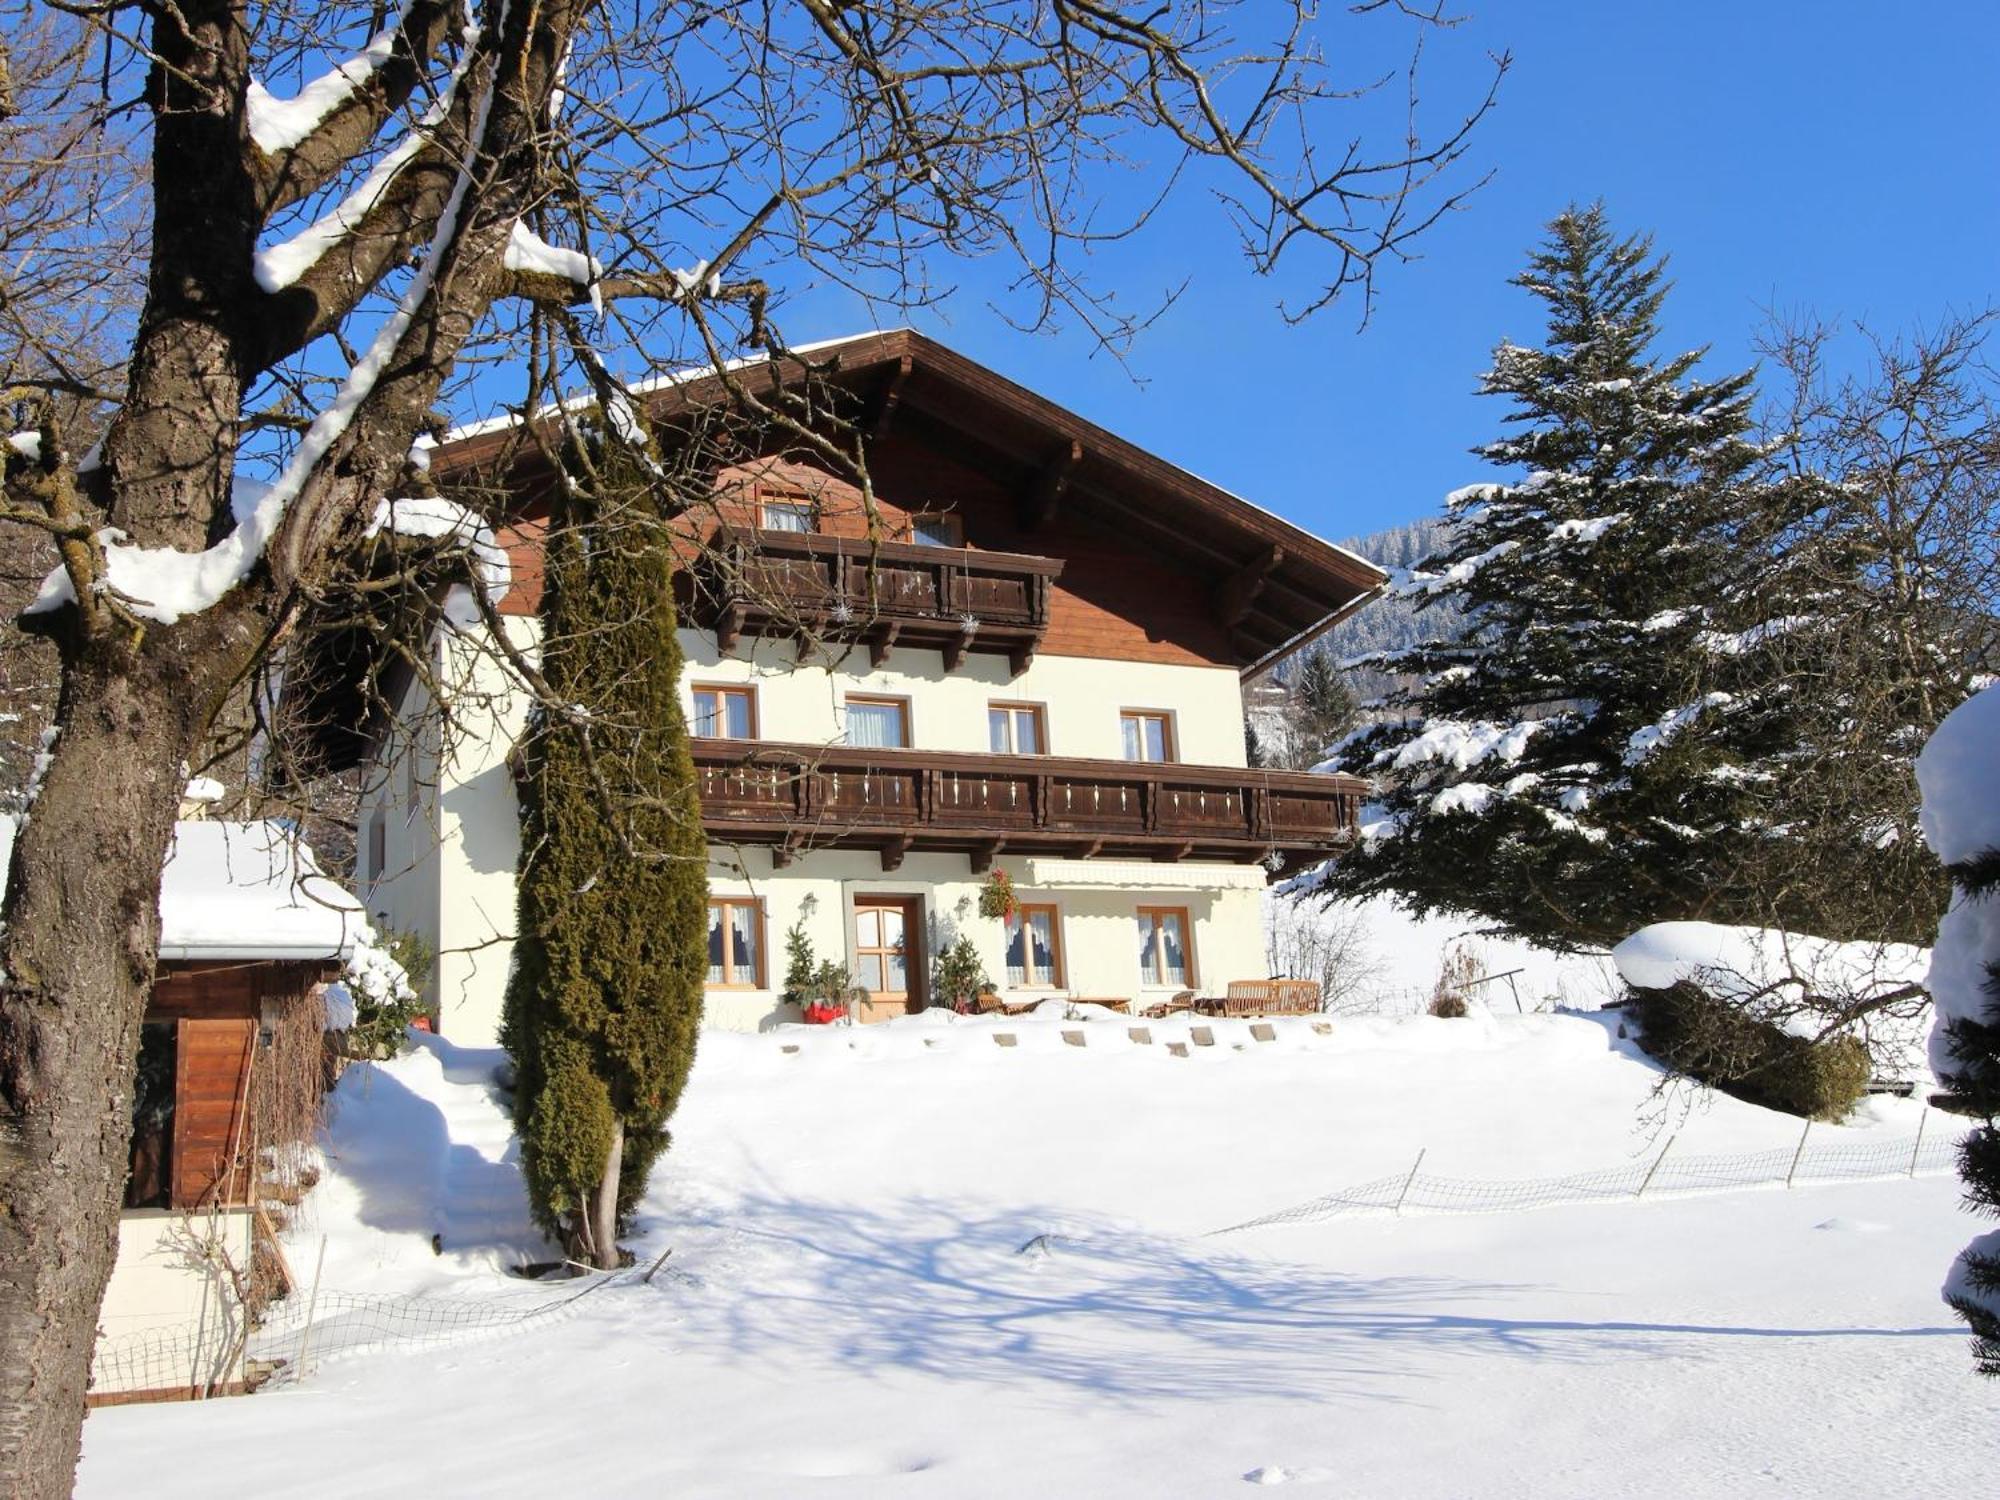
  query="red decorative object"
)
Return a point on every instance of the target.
[
  {"x": 819, "y": 1013},
  {"x": 997, "y": 898}
]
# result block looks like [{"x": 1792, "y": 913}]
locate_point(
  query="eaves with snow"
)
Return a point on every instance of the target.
[{"x": 246, "y": 891}]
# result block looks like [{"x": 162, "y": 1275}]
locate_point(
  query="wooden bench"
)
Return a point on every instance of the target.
[
  {"x": 990, "y": 1004},
  {"x": 1265, "y": 997}
]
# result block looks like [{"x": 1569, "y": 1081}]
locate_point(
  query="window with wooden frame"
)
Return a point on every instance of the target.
[
  {"x": 787, "y": 513},
  {"x": 878, "y": 723},
  {"x": 1148, "y": 734},
  {"x": 736, "y": 943},
  {"x": 1034, "y": 947},
  {"x": 1166, "y": 947},
  {"x": 1017, "y": 728},
  {"x": 937, "y": 528},
  {"x": 724, "y": 712}
]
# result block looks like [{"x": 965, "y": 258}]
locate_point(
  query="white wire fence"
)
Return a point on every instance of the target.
[
  {"x": 1658, "y": 1175},
  {"x": 219, "y": 1355}
]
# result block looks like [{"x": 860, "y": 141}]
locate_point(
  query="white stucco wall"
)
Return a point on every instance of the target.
[
  {"x": 1099, "y": 935},
  {"x": 168, "y": 1324},
  {"x": 1081, "y": 697},
  {"x": 452, "y": 851},
  {"x": 451, "y": 854}
]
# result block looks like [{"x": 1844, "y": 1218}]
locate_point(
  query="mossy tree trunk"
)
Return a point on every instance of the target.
[{"x": 611, "y": 946}]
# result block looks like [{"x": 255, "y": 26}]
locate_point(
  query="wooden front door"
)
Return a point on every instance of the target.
[{"x": 888, "y": 955}]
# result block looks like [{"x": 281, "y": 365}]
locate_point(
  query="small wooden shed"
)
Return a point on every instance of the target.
[{"x": 252, "y": 937}]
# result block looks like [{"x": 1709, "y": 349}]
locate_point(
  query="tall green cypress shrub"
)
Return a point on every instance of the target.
[{"x": 611, "y": 941}]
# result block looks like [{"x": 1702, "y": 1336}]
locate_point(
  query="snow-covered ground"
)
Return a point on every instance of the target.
[
  {"x": 908, "y": 1260},
  {"x": 1373, "y": 957}
]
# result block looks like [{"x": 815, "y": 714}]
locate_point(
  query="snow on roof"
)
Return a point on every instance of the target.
[
  {"x": 664, "y": 381},
  {"x": 245, "y": 891}
]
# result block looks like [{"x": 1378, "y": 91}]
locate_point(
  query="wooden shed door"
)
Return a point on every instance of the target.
[
  {"x": 889, "y": 955},
  {"x": 212, "y": 1069}
]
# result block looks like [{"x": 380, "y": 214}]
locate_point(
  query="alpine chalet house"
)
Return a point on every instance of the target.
[{"x": 1039, "y": 672}]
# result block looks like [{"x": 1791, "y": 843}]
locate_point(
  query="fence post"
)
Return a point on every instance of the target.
[
  {"x": 312, "y": 1301},
  {"x": 1792, "y": 1170},
  {"x": 1922, "y": 1115},
  {"x": 1408, "y": 1180},
  {"x": 1656, "y": 1164}
]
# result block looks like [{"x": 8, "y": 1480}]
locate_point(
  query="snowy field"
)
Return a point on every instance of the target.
[{"x": 909, "y": 1261}]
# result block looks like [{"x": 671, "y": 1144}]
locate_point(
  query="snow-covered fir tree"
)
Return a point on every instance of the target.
[
  {"x": 1561, "y": 764},
  {"x": 1960, "y": 771}
]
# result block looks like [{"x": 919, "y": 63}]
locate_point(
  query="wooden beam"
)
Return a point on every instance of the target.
[
  {"x": 729, "y": 629},
  {"x": 882, "y": 408},
  {"x": 982, "y": 857},
  {"x": 1174, "y": 854},
  {"x": 1236, "y": 593},
  {"x": 1045, "y": 491},
  {"x": 1088, "y": 850},
  {"x": 893, "y": 852},
  {"x": 881, "y": 639}
]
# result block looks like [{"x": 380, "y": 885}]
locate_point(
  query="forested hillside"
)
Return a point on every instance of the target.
[{"x": 1390, "y": 623}]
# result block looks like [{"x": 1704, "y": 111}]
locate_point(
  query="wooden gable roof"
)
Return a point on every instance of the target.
[{"x": 1272, "y": 586}]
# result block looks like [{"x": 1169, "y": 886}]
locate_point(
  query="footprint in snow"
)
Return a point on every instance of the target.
[
  {"x": 1853, "y": 1226},
  {"x": 1279, "y": 1474}
]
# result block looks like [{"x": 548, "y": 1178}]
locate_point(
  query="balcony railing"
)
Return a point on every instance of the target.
[
  {"x": 950, "y": 599},
  {"x": 800, "y": 797}
]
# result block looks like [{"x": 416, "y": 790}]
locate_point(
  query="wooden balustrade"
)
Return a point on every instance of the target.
[
  {"x": 950, "y": 599},
  {"x": 798, "y": 797}
]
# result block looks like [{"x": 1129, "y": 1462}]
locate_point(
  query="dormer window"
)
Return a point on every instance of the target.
[
  {"x": 788, "y": 515},
  {"x": 937, "y": 529}
]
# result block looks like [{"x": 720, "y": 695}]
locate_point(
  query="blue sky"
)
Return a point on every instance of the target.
[{"x": 1838, "y": 156}]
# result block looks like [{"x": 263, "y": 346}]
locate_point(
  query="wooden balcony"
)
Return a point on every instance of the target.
[
  {"x": 950, "y": 599},
  {"x": 801, "y": 797}
]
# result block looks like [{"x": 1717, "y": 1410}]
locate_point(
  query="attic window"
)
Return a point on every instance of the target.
[
  {"x": 788, "y": 515},
  {"x": 937, "y": 529}
]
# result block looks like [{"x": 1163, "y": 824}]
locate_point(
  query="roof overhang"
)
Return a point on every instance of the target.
[{"x": 1273, "y": 585}]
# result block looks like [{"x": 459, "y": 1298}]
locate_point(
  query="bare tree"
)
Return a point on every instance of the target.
[
  {"x": 1874, "y": 617},
  {"x": 325, "y": 270},
  {"x": 72, "y": 235}
]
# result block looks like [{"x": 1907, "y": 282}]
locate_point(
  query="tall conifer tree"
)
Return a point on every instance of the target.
[
  {"x": 1962, "y": 823},
  {"x": 1563, "y": 765},
  {"x": 611, "y": 949}
]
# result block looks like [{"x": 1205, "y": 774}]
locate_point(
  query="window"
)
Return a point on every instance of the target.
[
  {"x": 788, "y": 515},
  {"x": 736, "y": 944},
  {"x": 1016, "y": 729},
  {"x": 378, "y": 845},
  {"x": 1034, "y": 948},
  {"x": 937, "y": 529},
  {"x": 1165, "y": 956},
  {"x": 725, "y": 713},
  {"x": 878, "y": 723},
  {"x": 1148, "y": 735},
  {"x": 881, "y": 947}
]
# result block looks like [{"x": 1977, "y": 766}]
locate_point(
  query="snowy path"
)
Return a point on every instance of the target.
[{"x": 848, "y": 1311}]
